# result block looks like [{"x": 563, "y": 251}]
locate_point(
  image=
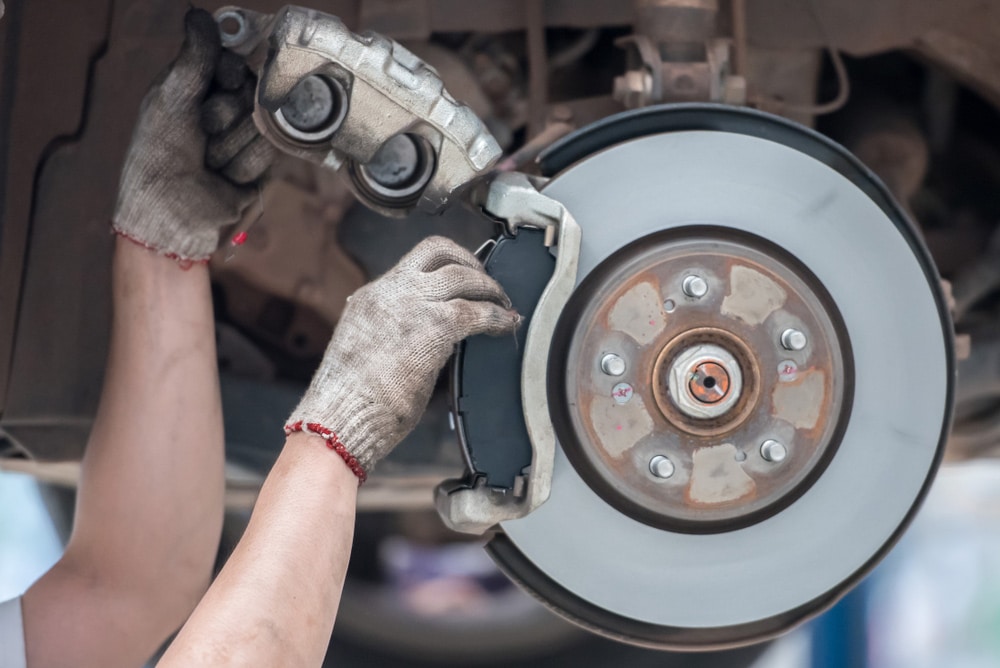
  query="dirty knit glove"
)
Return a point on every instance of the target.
[
  {"x": 396, "y": 334},
  {"x": 195, "y": 154}
]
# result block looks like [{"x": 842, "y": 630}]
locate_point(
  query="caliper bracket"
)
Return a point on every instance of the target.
[{"x": 514, "y": 199}]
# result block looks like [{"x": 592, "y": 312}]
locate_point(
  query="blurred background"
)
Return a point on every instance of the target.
[{"x": 934, "y": 601}]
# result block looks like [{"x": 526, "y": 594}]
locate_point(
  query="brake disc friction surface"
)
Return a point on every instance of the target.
[{"x": 635, "y": 553}]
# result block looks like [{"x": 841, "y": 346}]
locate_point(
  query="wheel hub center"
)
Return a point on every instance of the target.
[
  {"x": 700, "y": 406},
  {"x": 709, "y": 383},
  {"x": 704, "y": 381}
]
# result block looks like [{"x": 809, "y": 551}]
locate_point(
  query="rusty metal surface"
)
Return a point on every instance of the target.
[
  {"x": 635, "y": 307},
  {"x": 508, "y": 15},
  {"x": 42, "y": 91},
  {"x": 889, "y": 138},
  {"x": 292, "y": 253},
  {"x": 960, "y": 36},
  {"x": 61, "y": 337},
  {"x": 710, "y": 382},
  {"x": 741, "y": 376}
]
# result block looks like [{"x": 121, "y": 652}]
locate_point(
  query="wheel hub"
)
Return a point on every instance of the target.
[
  {"x": 698, "y": 380},
  {"x": 708, "y": 379}
]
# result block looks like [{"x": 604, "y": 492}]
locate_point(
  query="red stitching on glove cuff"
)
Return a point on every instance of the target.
[
  {"x": 332, "y": 442},
  {"x": 184, "y": 262}
]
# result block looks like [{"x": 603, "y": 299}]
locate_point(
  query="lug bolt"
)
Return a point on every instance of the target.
[
  {"x": 695, "y": 287},
  {"x": 661, "y": 467},
  {"x": 773, "y": 451},
  {"x": 612, "y": 364},
  {"x": 793, "y": 339}
]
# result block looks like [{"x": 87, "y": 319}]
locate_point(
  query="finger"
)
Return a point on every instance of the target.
[
  {"x": 223, "y": 109},
  {"x": 192, "y": 72},
  {"x": 220, "y": 112},
  {"x": 436, "y": 252},
  {"x": 228, "y": 201},
  {"x": 250, "y": 163},
  {"x": 222, "y": 148},
  {"x": 459, "y": 282},
  {"x": 231, "y": 72},
  {"x": 471, "y": 317}
]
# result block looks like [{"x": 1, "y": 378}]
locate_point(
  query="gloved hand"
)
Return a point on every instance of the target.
[
  {"x": 394, "y": 337},
  {"x": 195, "y": 156}
]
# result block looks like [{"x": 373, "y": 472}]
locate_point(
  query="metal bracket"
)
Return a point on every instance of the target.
[{"x": 514, "y": 199}]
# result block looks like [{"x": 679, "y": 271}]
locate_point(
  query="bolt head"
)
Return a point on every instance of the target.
[
  {"x": 661, "y": 467},
  {"x": 612, "y": 364},
  {"x": 695, "y": 287},
  {"x": 773, "y": 451},
  {"x": 793, "y": 339}
]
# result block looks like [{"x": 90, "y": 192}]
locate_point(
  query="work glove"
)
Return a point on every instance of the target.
[
  {"x": 196, "y": 157},
  {"x": 394, "y": 337}
]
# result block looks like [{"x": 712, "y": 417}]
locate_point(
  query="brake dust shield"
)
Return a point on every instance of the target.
[{"x": 750, "y": 385}]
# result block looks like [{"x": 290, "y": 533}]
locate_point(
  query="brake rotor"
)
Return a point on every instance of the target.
[{"x": 750, "y": 386}]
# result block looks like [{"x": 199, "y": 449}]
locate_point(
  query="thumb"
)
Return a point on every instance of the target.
[{"x": 191, "y": 74}]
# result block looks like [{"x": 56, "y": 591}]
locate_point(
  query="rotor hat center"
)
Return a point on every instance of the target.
[
  {"x": 704, "y": 381},
  {"x": 709, "y": 383}
]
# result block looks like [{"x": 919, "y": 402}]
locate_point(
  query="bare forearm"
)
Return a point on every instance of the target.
[
  {"x": 149, "y": 507},
  {"x": 153, "y": 480},
  {"x": 276, "y": 599}
]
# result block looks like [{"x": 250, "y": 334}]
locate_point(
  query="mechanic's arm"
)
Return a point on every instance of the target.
[
  {"x": 150, "y": 501},
  {"x": 276, "y": 599},
  {"x": 149, "y": 506}
]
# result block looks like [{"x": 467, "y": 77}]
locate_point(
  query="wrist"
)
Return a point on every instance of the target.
[
  {"x": 124, "y": 238},
  {"x": 145, "y": 264},
  {"x": 318, "y": 434}
]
